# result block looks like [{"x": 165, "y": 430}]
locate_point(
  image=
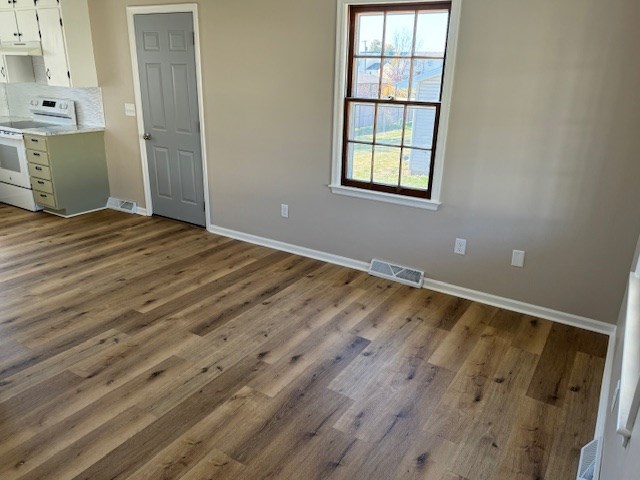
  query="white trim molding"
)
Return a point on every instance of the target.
[
  {"x": 436, "y": 285},
  {"x": 385, "y": 197},
  {"x": 174, "y": 8},
  {"x": 290, "y": 248},
  {"x": 340, "y": 89}
]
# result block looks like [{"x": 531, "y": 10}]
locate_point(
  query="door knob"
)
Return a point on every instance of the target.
[{"x": 146, "y": 136}]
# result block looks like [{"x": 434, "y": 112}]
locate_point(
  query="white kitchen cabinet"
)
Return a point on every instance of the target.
[
  {"x": 28, "y": 28},
  {"x": 15, "y": 69},
  {"x": 20, "y": 4},
  {"x": 19, "y": 26},
  {"x": 67, "y": 47},
  {"x": 53, "y": 48},
  {"x": 40, "y": 3},
  {"x": 8, "y": 26}
]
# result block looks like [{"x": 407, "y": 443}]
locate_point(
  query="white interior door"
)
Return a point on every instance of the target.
[
  {"x": 8, "y": 26},
  {"x": 53, "y": 48},
  {"x": 28, "y": 25}
]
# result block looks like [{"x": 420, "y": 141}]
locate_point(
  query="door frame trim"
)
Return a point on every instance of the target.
[{"x": 173, "y": 8}]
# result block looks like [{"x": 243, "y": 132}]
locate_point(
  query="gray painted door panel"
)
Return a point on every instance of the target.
[{"x": 167, "y": 65}]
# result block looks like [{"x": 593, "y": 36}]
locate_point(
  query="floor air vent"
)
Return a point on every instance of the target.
[
  {"x": 122, "y": 205},
  {"x": 398, "y": 273},
  {"x": 588, "y": 460}
]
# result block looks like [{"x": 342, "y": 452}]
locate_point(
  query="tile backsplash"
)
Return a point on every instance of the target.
[{"x": 89, "y": 108}]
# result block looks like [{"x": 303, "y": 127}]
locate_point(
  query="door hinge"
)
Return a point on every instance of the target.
[
  {"x": 61, "y": 21},
  {"x": 193, "y": 37},
  {"x": 69, "y": 74}
]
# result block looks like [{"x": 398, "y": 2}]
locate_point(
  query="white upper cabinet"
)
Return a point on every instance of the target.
[
  {"x": 28, "y": 30},
  {"x": 40, "y": 3},
  {"x": 20, "y": 4},
  {"x": 67, "y": 47},
  {"x": 8, "y": 26},
  {"x": 7, "y": 5},
  {"x": 19, "y": 26},
  {"x": 53, "y": 48}
]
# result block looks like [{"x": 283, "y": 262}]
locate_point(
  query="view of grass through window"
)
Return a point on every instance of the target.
[{"x": 396, "y": 69}]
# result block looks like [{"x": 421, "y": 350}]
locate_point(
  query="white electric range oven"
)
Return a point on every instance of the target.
[{"x": 15, "y": 185}]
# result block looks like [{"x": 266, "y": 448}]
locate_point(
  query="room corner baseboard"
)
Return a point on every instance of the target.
[
  {"x": 443, "y": 287},
  {"x": 142, "y": 211},
  {"x": 521, "y": 307}
]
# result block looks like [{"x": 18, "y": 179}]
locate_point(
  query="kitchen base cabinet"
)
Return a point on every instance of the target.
[{"x": 68, "y": 172}]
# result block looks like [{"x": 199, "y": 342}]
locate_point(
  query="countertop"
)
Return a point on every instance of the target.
[
  {"x": 53, "y": 129},
  {"x": 62, "y": 130}
]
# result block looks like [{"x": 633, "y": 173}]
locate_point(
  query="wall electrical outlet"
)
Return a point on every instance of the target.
[
  {"x": 284, "y": 210},
  {"x": 129, "y": 109},
  {"x": 517, "y": 258},
  {"x": 461, "y": 246}
]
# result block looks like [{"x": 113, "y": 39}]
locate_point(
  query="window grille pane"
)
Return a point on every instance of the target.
[
  {"x": 361, "y": 117},
  {"x": 398, "y": 41},
  {"x": 416, "y": 165},
  {"x": 419, "y": 128},
  {"x": 426, "y": 83},
  {"x": 369, "y": 34},
  {"x": 359, "y": 162},
  {"x": 395, "y": 78},
  {"x": 431, "y": 33},
  {"x": 386, "y": 165},
  {"x": 389, "y": 124},
  {"x": 366, "y": 79}
]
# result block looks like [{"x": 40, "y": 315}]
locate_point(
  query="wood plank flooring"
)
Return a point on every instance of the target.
[{"x": 141, "y": 348}]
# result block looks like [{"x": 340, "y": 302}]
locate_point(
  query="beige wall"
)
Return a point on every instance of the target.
[{"x": 542, "y": 152}]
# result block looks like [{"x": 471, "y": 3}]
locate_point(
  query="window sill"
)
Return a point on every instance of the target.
[{"x": 386, "y": 197}]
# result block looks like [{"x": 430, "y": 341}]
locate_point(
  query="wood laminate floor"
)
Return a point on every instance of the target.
[{"x": 141, "y": 348}]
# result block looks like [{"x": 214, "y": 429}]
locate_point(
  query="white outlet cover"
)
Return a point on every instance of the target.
[
  {"x": 284, "y": 210},
  {"x": 460, "y": 247},
  {"x": 517, "y": 258},
  {"x": 130, "y": 109}
]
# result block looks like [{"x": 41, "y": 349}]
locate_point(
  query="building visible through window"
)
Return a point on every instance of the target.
[{"x": 396, "y": 61}]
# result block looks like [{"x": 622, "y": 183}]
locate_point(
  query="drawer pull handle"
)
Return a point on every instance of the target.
[
  {"x": 35, "y": 154},
  {"x": 43, "y": 195},
  {"x": 35, "y": 140},
  {"x": 40, "y": 182},
  {"x": 39, "y": 169}
]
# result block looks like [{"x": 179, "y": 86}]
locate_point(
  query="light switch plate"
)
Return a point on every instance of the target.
[{"x": 130, "y": 109}]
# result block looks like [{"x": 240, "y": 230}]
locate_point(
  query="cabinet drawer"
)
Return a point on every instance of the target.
[
  {"x": 45, "y": 199},
  {"x": 35, "y": 143},
  {"x": 39, "y": 171},
  {"x": 42, "y": 185},
  {"x": 38, "y": 157}
]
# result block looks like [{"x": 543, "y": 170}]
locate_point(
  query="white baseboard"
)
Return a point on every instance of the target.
[
  {"x": 443, "y": 287},
  {"x": 288, "y": 247},
  {"x": 142, "y": 211},
  {"x": 521, "y": 307}
]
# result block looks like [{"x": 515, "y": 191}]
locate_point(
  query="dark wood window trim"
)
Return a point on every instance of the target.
[{"x": 354, "y": 11}]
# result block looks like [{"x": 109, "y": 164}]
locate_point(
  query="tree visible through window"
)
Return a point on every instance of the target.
[{"x": 394, "y": 90}]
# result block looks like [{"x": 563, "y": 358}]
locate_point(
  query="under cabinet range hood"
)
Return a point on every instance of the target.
[{"x": 33, "y": 49}]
